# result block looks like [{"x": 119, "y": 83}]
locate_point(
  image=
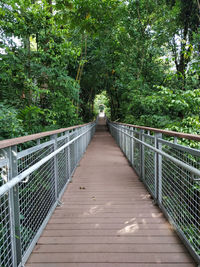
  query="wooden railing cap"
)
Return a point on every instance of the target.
[
  {"x": 24, "y": 139},
  {"x": 194, "y": 137}
]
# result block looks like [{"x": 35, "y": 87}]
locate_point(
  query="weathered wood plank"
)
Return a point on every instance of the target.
[
  {"x": 111, "y": 257},
  {"x": 95, "y": 248},
  {"x": 112, "y": 222}
]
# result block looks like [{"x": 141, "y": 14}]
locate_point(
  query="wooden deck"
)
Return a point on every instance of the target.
[{"x": 107, "y": 218}]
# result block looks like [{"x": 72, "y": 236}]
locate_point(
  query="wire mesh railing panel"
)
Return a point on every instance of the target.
[
  {"x": 31, "y": 184},
  {"x": 181, "y": 200},
  {"x": 6, "y": 258},
  {"x": 62, "y": 163},
  {"x": 63, "y": 175},
  {"x": 188, "y": 155},
  {"x": 149, "y": 165},
  {"x": 28, "y": 160},
  {"x": 128, "y": 145},
  {"x": 171, "y": 172},
  {"x": 6, "y": 255},
  {"x": 36, "y": 197},
  {"x": 72, "y": 152}
]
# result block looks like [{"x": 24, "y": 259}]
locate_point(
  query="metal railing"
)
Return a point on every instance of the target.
[
  {"x": 171, "y": 173},
  {"x": 33, "y": 177}
]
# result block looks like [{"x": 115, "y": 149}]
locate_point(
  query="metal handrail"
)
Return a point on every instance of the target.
[
  {"x": 194, "y": 137},
  {"x": 170, "y": 172},
  {"x": 19, "y": 178},
  {"x": 180, "y": 163},
  {"x": 32, "y": 181},
  {"x": 37, "y": 136}
]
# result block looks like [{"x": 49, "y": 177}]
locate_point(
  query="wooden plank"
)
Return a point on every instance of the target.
[
  {"x": 95, "y": 264},
  {"x": 112, "y": 226},
  {"x": 111, "y": 223},
  {"x": 107, "y": 220},
  {"x": 109, "y": 240},
  {"x": 111, "y": 257},
  {"x": 104, "y": 214},
  {"x": 125, "y": 231},
  {"x": 95, "y": 248},
  {"x": 109, "y": 205}
]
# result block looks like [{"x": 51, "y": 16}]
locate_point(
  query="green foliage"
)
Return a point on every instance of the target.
[
  {"x": 101, "y": 103},
  {"x": 37, "y": 55},
  {"x": 10, "y": 125},
  {"x": 59, "y": 60},
  {"x": 144, "y": 55},
  {"x": 32, "y": 117}
]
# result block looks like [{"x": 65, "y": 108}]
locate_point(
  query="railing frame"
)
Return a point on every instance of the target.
[
  {"x": 9, "y": 158},
  {"x": 121, "y": 131}
]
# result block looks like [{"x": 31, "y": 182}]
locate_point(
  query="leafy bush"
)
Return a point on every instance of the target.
[
  {"x": 10, "y": 125},
  {"x": 32, "y": 118}
]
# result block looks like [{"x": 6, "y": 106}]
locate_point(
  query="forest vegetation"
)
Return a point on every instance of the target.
[{"x": 141, "y": 57}]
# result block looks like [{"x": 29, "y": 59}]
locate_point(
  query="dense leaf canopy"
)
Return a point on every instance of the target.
[{"x": 57, "y": 55}]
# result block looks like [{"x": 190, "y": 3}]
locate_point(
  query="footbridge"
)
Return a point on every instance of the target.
[{"x": 129, "y": 199}]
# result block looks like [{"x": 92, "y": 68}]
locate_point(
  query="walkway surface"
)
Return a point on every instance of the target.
[{"x": 107, "y": 218}]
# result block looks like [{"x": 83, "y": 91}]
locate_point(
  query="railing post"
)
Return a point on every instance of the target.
[
  {"x": 79, "y": 146},
  {"x": 158, "y": 169},
  {"x": 123, "y": 128},
  {"x": 76, "y": 147},
  {"x": 127, "y": 143},
  {"x": 85, "y": 140},
  {"x": 82, "y": 142},
  {"x": 142, "y": 155},
  {"x": 118, "y": 137},
  {"x": 14, "y": 207},
  {"x": 126, "y": 152},
  {"x": 38, "y": 141},
  {"x": 68, "y": 158},
  {"x": 131, "y": 146},
  {"x": 55, "y": 145}
]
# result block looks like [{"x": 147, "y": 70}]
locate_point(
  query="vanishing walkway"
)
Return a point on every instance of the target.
[{"x": 107, "y": 218}]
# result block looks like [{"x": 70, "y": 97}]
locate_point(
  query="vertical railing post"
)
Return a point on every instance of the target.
[
  {"x": 142, "y": 155},
  {"x": 85, "y": 139},
  {"x": 133, "y": 162},
  {"x": 124, "y": 138},
  {"x": 68, "y": 157},
  {"x": 38, "y": 141},
  {"x": 125, "y": 152},
  {"x": 14, "y": 207},
  {"x": 131, "y": 146},
  {"x": 118, "y": 136},
  {"x": 127, "y": 143},
  {"x": 121, "y": 137},
  {"x": 124, "y": 142},
  {"x": 79, "y": 146},
  {"x": 158, "y": 169},
  {"x": 77, "y": 143},
  {"x": 82, "y": 141},
  {"x": 55, "y": 160}
]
